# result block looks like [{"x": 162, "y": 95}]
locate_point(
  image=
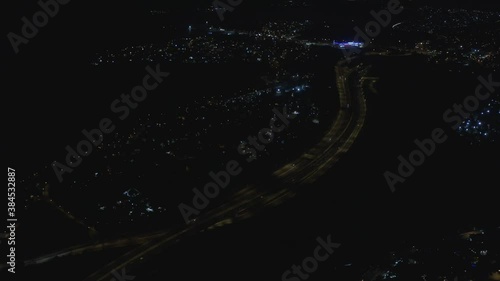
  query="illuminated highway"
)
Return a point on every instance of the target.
[
  {"x": 248, "y": 201},
  {"x": 337, "y": 141},
  {"x": 310, "y": 166}
]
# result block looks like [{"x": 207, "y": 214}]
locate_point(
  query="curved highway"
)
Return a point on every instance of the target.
[{"x": 306, "y": 169}]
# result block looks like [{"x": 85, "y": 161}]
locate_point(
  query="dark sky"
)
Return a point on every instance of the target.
[{"x": 476, "y": 4}]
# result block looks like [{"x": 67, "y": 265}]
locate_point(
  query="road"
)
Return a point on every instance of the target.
[
  {"x": 306, "y": 169},
  {"x": 336, "y": 142}
]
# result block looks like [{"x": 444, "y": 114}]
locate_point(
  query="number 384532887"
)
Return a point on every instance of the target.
[{"x": 11, "y": 190}]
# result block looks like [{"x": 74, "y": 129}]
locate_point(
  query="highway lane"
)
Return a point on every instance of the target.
[
  {"x": 94, "y": 247},
  {"x": 249, "y": 199},
  {"x": 306, "y": 169},
  {"x": 312, "y": 165},
  {"x": 337, "y": 141}
]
